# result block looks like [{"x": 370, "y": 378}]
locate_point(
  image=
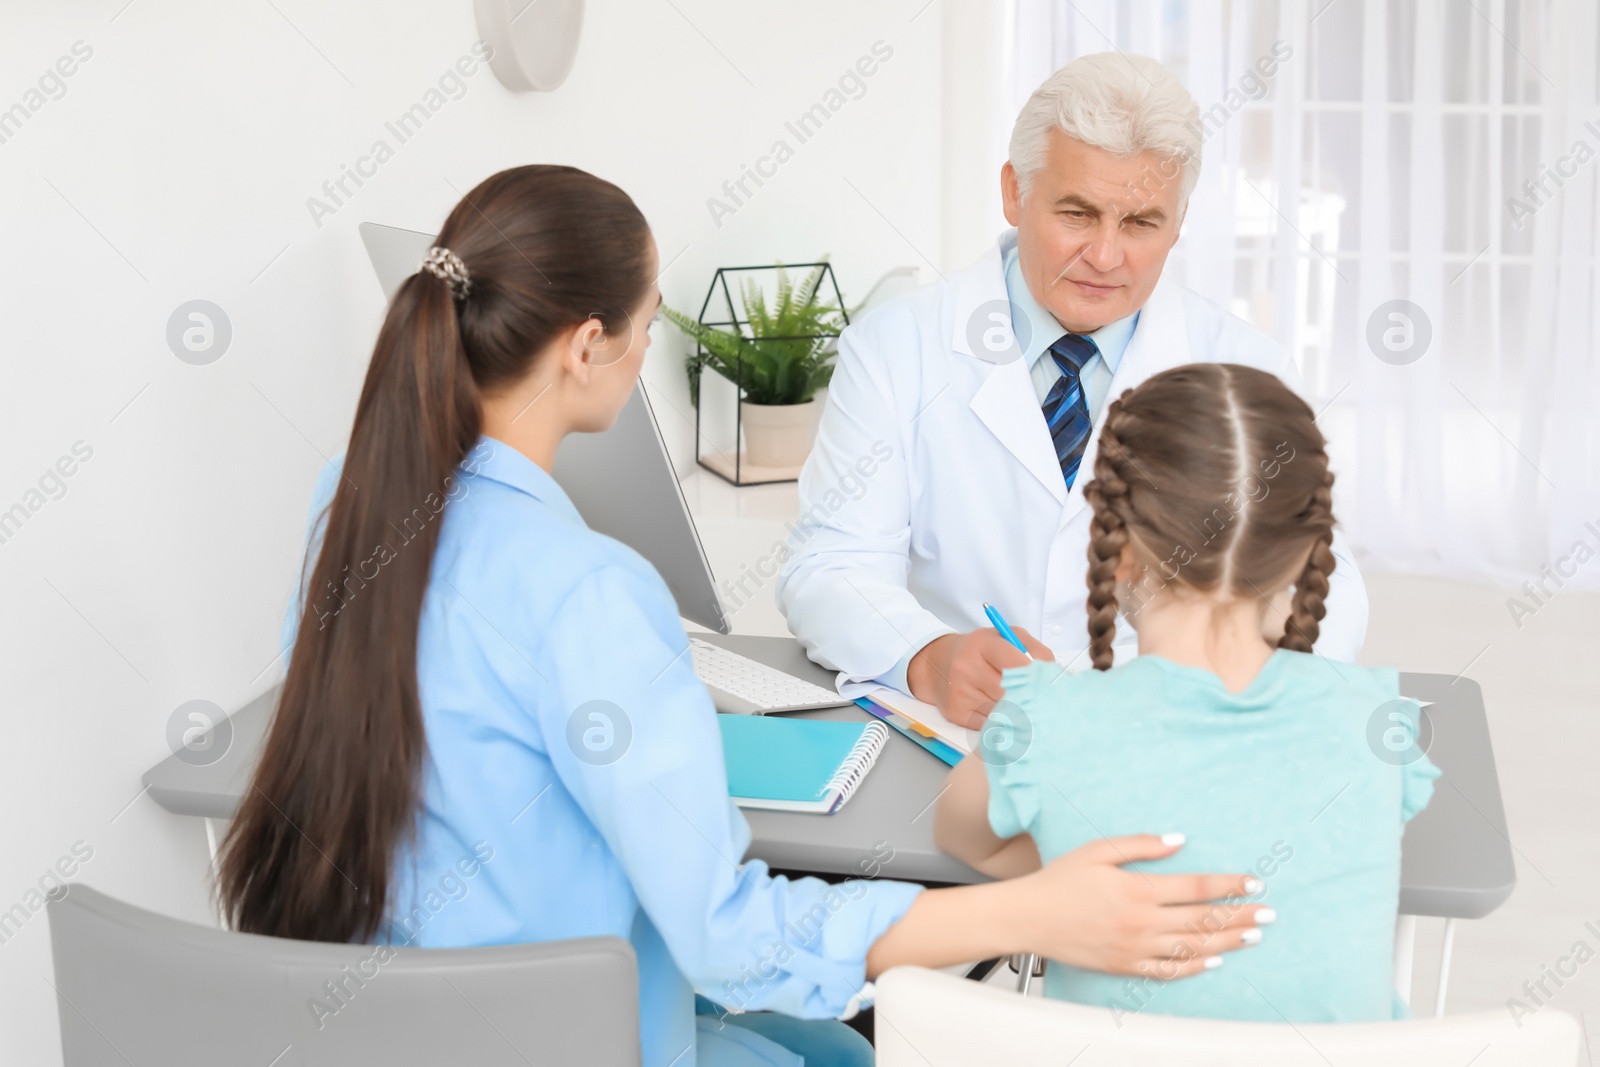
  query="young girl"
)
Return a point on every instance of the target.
[
  {"x": 491, "y": 731},
  {"x": 1211, "y": 499}
]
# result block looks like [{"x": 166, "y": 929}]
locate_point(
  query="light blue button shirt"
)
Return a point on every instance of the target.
[
  {"x": 575, "y": 770},
  {"x": 1039, "y": 329}
]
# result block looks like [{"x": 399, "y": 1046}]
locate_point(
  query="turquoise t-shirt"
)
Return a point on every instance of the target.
[{"x": 1301, "y": 779}]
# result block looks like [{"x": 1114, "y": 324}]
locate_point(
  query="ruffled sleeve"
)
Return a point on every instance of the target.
[
  {"x": 1417, "y": 771},
  {"x": 1416, "y": 786},
  {"x": 1006, "y": 745}
]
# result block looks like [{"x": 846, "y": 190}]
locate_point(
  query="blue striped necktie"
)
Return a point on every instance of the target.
[{"x": 1066, "y": 412}]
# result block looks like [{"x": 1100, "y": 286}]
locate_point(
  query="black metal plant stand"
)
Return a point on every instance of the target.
[{"x": 719, "y": 281}]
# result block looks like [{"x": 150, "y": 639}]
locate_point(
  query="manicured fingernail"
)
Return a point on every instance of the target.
[
  {"x": 1252, "y": 886},
  {"x": 1213, "y": 962},
  {"x": 1172, "y": 839},
  {"x": 1251, "y": 936},
  {"x": 1265, "y": 916}
]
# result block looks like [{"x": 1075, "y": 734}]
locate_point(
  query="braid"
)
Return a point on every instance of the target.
[
  {"x": 1108, "y": 533},
  {"x": 1311, "y": 588},
  {"x": 1244, "y": 501}
]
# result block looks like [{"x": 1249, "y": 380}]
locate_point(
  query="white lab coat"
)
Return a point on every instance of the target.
[{"x": 970, "y": 505}]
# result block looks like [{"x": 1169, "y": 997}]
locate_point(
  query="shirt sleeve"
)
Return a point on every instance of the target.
[
  {"x": 1417, "y": 771},
  {"x": 842, "y": 589},
  {"x": 1006, "y": 745},
  {"x": 899, "y": 676},
  {"x": 1416, "y": 786},
  {"x": 615, "y": 659}
]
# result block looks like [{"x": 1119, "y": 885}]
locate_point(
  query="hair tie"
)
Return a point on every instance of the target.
[{"x": 446, "y": 265}]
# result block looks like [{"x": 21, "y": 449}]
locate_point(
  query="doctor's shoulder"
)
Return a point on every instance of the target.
[
  {"x": 900, "y": 327},
  {"x": 1216, "y": 335}
]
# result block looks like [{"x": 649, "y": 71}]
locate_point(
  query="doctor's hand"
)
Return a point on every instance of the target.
[{"x": 960, "y": 673}]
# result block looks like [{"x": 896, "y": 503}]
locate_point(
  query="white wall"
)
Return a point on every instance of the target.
[
  {"x": 176, "y": 166},
  {"x": 977, "y": 116}
]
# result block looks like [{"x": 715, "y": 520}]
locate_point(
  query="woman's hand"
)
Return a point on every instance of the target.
[
  {"x": 1085, "y": 910},
  {"x": 1082, "y": 909}
]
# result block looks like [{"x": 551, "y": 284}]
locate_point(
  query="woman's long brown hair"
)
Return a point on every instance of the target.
[
  {"x": 1217, "y": 475},
  {"x": 312, "y": 849}
]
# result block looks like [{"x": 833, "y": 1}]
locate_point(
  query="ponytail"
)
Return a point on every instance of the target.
[
  {"x": 311, "y": 852},
  {"x": 308, "y": 852}
]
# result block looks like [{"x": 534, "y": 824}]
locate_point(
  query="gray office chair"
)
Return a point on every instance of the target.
[{"x": 136, "y": 987}]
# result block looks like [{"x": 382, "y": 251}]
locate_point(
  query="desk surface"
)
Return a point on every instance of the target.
[{"x": 1456, "y": 858}]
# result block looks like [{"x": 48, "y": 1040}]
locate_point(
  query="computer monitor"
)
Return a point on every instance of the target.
[{"x": 621, "y": 481}]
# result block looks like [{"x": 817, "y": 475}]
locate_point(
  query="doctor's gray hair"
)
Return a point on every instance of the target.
[{"x": 1125, "y": 104}]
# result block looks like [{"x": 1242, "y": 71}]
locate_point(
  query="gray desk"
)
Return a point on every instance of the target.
[{"x": 1457, "y": 858}]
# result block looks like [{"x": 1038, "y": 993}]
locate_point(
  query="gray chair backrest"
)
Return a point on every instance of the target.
[{"x": 134, "y": 987}]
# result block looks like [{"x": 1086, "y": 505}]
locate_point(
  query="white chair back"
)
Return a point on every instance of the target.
[{"x": 929, "y": 1019}]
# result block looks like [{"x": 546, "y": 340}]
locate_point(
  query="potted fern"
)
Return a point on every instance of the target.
[{"x": 777, "y": 355}]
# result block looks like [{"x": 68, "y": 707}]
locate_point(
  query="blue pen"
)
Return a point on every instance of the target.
[{"x": 1005, "y": 631}]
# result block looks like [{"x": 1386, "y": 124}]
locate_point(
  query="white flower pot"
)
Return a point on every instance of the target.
[{"x": 779, "y": 435}]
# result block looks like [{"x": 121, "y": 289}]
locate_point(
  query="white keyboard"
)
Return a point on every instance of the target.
[{"x": 741, "y": 684}]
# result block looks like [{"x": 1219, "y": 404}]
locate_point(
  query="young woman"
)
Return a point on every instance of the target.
[{"x": 491, "y": 731}]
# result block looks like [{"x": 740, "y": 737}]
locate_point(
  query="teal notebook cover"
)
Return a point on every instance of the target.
[{"x": 796, "y": 764}]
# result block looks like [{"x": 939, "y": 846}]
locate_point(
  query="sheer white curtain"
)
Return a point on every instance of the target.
[{"x": 1404, "y": 194}]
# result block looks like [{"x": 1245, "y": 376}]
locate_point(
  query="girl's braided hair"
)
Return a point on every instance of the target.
[{"x": 1218, "y": 477}]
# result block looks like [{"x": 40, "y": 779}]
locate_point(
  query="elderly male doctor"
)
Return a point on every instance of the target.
[{"x": 962, "y": 380}]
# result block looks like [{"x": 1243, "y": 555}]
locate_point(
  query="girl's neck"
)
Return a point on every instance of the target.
[{"x": 1224, "y": 638}]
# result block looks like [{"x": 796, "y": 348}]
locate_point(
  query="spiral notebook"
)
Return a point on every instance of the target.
[{"x": 783, "y": 764}]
